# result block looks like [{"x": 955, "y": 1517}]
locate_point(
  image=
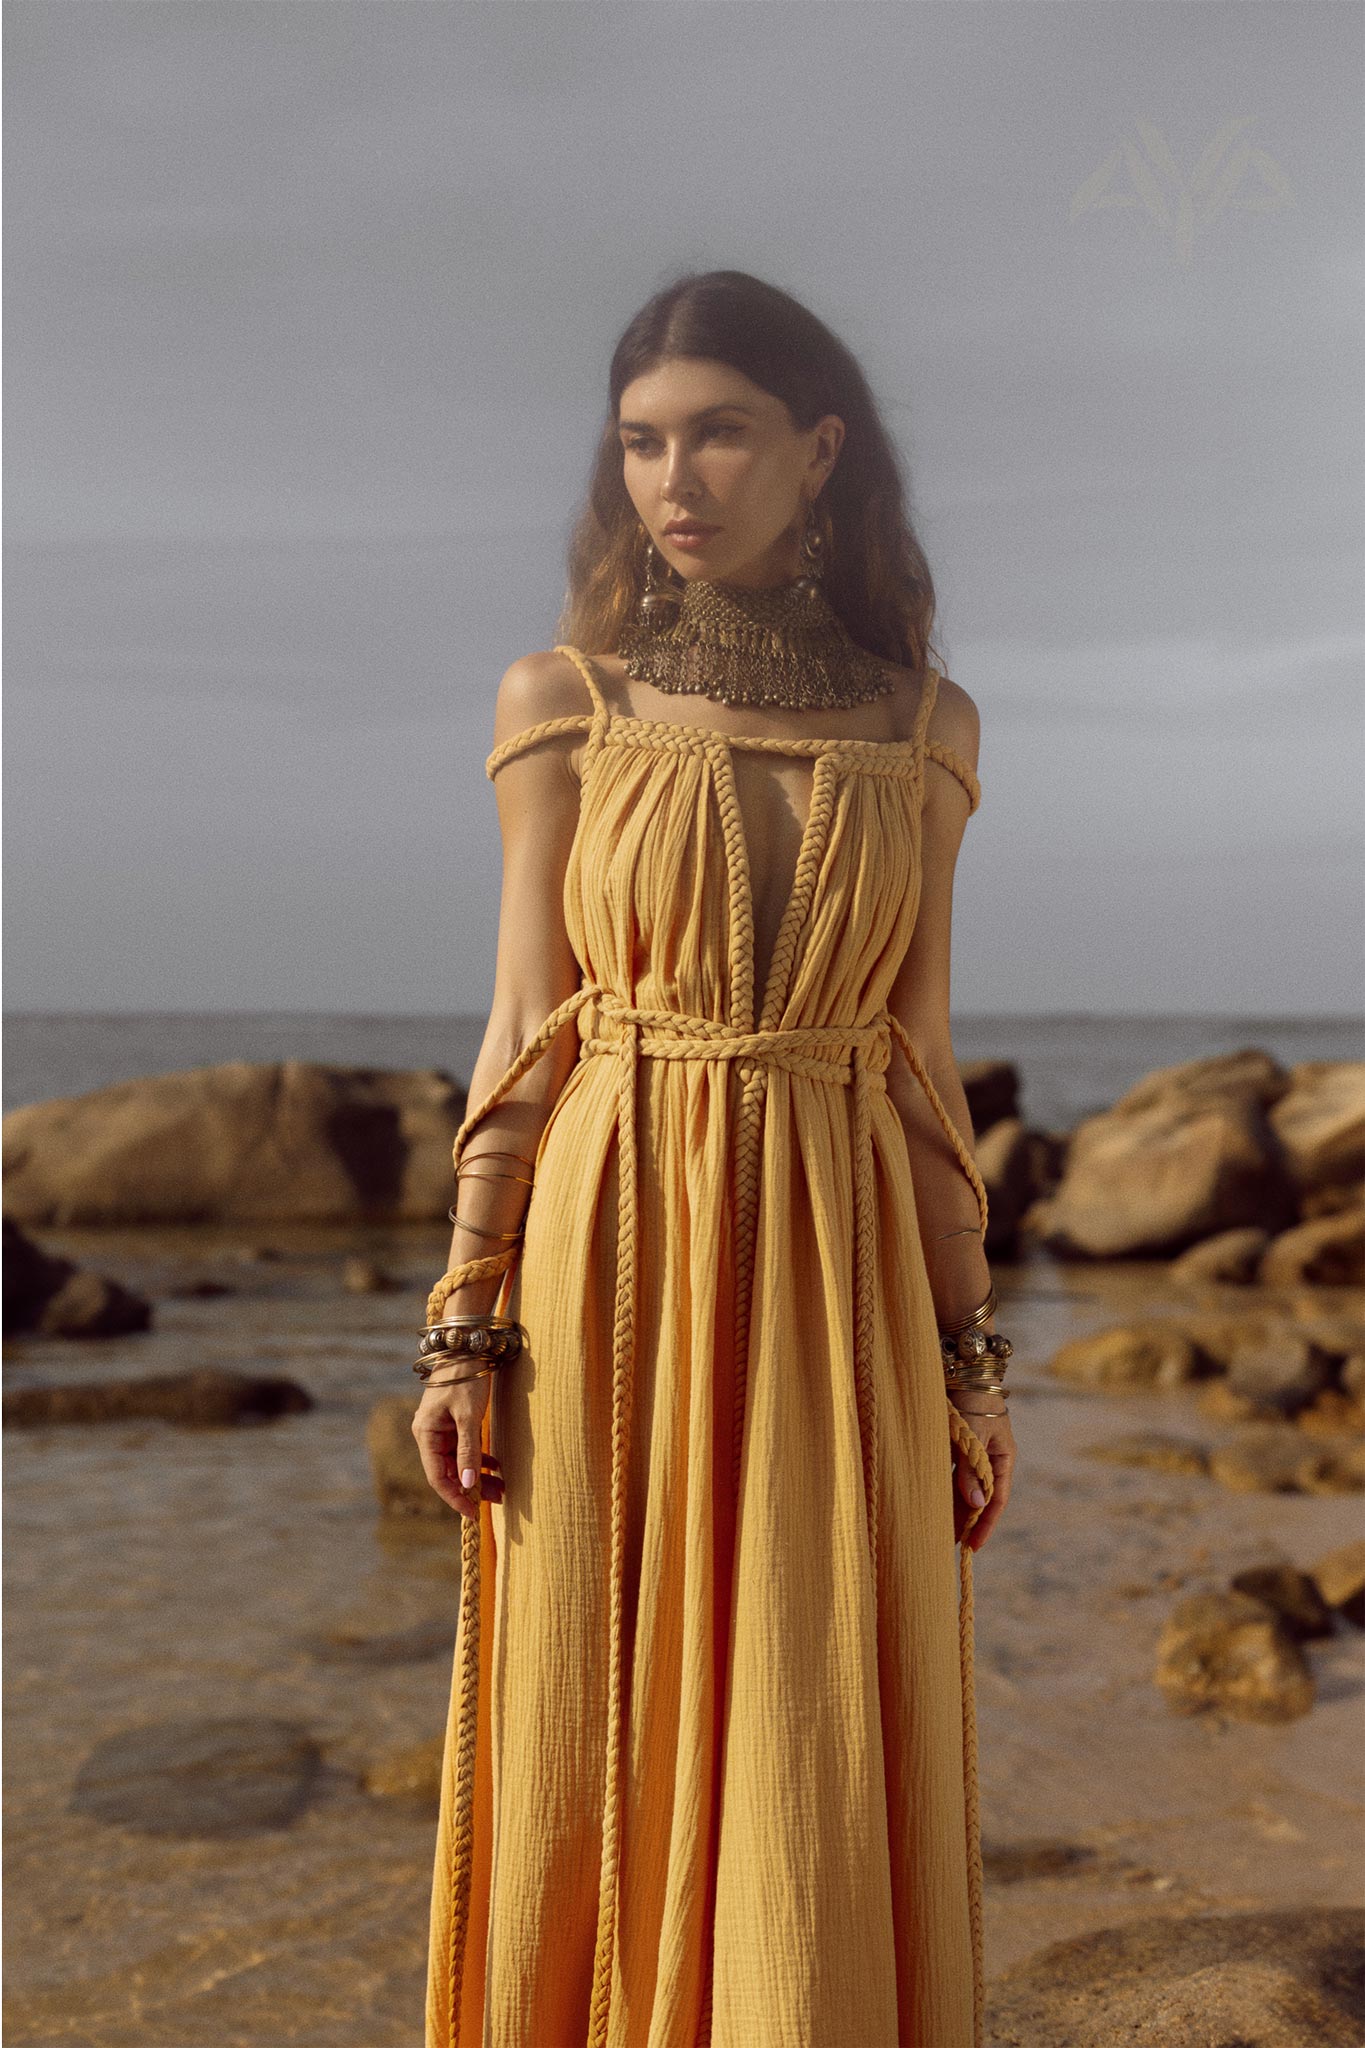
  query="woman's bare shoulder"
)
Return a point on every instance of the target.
[
  {"x": 536, "y": 688},
  {"x": 955, "y": 722}
]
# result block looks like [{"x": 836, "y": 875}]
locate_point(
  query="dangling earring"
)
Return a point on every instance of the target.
[
  {"x": 813, "y": 550},
  {"x": 658, "y": 608}
]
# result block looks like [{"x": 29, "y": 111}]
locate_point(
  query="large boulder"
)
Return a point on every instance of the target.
[
  {"x": 1293, "y": 1979},
  {"x": 1320, "y": 1122},
  {"x": 1186, "y": 1154},
  {"x": 280, "y": 1142}
]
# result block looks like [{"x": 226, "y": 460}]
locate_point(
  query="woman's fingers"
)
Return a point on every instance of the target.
[
  {"x": 997, "y": 1439},
  {"x": 448, "y": 1427}
]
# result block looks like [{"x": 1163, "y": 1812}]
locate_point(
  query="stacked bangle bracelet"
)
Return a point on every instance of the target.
[
  {"x": 974, "y": 1360},
  {"x": 495, "y": 1339}
]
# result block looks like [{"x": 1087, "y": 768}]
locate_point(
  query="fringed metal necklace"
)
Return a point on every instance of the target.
[{"x": 784, "y": 646}]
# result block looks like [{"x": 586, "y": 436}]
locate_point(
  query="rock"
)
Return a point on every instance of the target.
[
  {"x": 1175, "y": 1161},
  {"x": 59, "y": 1298},
  {"x": 364, "y": 1276},
  {"x": 1353, "y": 1376},
  {"x": 1334, "y": 1468},
  {"x": 411, "y": 1773},
  {"x": 209, "y": 1397},
  {"x": 1249, "y": 1076},
  {"x": 1154, "y": 1451},
  {"x": 1340, "y": 1578},
  {"x": 88, "y": 1305},
  {"x": 400, "y": 1484},
  {"x": 1149, "y": 1354},
  {"x": 1288, "y": 1979},
  {"x": 1328, "y": 1201},
  {"x": 31, "y": 1277},
  {"x": 1020, "y": 1862},
  {"x": 1292, "y": 1594},
  {"x": 196, "y": 1778},
  {"x": 287, "y": 1141},
  {"x": 1329, "y": 1251},
  {"x": 992, "y": 1091},
  {"x": 1226, "y": 1653},
  {"x": 1337, "y": 1333},
  {"x": 1267, "y": 1458},
  {"x": 1320, "y": 1122},
  {"x": 1284, "y": 1372},
  {"x": 1230, "y": 1255},
  {"x": 1005, "y": 1162},
  {"x": 200, "y": 1290},
  {"x": 1221, "y": 1333},
  {"x": 1274, "y": 1458},
  {"x": 1220, "y": 1404},
  {"x": 1334, "y": 1413}
]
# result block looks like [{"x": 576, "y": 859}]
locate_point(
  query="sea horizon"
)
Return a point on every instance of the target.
[{"x": 1071, "y": 1063}]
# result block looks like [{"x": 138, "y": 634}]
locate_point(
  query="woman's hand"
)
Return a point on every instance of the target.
[
  {"x": 448, "y": 1427},
  {"x": 997, "y": 1436}
]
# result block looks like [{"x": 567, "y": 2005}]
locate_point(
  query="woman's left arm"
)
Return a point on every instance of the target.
[{"x": 946, "y": 1211}]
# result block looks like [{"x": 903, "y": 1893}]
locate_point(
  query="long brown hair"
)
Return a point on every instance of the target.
[{"x": 875, "y": 573}]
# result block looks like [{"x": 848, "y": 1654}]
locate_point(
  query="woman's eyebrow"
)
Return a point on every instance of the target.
[{"x": 638, "y": 426}]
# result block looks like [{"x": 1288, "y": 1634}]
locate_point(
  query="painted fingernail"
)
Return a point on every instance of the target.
[
  {"x": 468, "y": 1477},
  {"x": 977, "y": 1497}
]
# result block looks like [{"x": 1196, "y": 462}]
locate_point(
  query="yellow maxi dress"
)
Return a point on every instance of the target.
[{"x": 709, "y": 1776}]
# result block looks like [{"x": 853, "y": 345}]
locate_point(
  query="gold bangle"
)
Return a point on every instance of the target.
[
  {"x": 979, "y": 1315},
  {"x": 463, "y": 1173}
]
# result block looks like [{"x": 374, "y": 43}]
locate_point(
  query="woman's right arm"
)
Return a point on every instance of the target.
[{"x": 537, "y": 969}]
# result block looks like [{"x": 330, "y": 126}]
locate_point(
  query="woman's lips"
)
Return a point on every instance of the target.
[{"x": 692, "y": 538}]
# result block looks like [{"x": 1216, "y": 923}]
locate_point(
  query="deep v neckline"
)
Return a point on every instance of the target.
[
  {"x": 755, "y": 1005},
  {"x": 760, "y": 1000}
]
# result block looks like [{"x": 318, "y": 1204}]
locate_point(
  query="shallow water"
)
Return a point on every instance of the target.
[{"x": 156, "y": 1573}]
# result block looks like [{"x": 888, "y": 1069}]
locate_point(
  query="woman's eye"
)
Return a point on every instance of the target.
[{"x": 636, "y": 443}]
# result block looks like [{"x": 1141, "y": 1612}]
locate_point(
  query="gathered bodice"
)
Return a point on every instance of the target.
[{"x": 659, "y": 893}]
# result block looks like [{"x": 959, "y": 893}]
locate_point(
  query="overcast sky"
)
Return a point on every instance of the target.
[{"x": 308, "y": 315}]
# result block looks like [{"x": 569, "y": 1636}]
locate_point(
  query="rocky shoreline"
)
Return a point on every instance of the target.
[{"x": 1171, "y": 1621}]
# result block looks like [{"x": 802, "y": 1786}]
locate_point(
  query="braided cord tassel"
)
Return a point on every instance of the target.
[
  {"x": 623, "y": 1359},
  {"x": 461, "y": 1866},
  {"x": 969, "y": 1446}
]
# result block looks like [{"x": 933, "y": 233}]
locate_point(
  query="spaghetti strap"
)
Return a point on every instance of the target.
[
  {"x": 594, "y": 721},
  {"x": 585, "y": 669}
]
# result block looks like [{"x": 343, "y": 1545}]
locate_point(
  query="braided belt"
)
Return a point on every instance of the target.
[{"x": 852, "y": 1056}]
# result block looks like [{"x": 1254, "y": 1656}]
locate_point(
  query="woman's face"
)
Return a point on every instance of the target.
[{"x": 701, "y": 442}]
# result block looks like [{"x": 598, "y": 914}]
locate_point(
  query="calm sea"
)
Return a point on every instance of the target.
[{"x": 1069, "y": 1065}]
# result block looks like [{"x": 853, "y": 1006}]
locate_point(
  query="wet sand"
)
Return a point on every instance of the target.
[{"x": 154, "y": 1573}]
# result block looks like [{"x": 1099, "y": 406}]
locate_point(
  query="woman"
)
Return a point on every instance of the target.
[{"x": 710, "y": 1760}]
